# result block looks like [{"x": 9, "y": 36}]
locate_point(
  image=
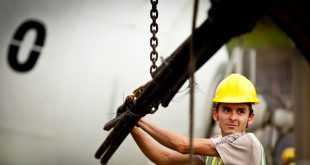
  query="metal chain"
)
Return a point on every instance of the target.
[{"x": 153, "y": 40}]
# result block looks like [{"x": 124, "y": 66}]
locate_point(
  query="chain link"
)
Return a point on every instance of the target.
[{"x": 153, "y": 40}]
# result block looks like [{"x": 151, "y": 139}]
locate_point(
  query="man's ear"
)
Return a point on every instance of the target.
[
  {"x": 215, "y": 114},
  {"x": 251, "y": 119}
]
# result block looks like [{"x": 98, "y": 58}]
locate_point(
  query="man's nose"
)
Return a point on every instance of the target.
[{"x": 233, "y": 115}]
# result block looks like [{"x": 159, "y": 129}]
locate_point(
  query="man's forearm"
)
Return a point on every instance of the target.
[
  {"x": 177, "y": 141},
  {"x": 167, "y": 138},
  {"x": 150, "y": 148}
]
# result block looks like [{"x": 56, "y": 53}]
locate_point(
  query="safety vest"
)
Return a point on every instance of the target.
[{"x": 210, "y": 160}]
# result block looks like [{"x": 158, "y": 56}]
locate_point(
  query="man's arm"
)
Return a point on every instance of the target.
[
  {"x": 178, "y": 142},
  {"x": 156, "y": 153}
]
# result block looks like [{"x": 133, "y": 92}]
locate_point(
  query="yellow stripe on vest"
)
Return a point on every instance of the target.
[{"x": 213, "y": 160}]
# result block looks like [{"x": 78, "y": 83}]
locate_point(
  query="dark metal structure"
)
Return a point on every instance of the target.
[{"x": 226, "y": 19}]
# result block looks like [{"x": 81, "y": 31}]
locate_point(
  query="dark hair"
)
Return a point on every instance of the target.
[{"x": 251, "y": 109}]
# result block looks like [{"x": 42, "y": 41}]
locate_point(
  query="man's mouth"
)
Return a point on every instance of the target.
[{"x": 232, "y": 125}]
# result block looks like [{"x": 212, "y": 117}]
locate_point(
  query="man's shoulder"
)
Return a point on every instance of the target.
[{"x": 239, "y": 137}]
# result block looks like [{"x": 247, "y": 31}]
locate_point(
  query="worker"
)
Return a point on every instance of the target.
[{"x": 233, "y": 111}]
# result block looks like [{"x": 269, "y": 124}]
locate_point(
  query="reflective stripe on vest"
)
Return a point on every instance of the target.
[
  {"x": 263, "y": 158},
  {"x": 214, "y": 160}
]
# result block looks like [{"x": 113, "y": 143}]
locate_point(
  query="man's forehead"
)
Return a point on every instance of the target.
[{"x": 234, "y": 105}]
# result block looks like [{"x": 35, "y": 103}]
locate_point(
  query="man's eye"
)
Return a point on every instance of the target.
[
  {"x": 241, "y": 111},
  {"x": 225, "y": 110}
]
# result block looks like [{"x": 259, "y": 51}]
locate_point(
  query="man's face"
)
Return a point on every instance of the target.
[{"x": 233, "y": 117}]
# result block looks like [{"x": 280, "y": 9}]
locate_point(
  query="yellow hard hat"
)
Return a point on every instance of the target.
[
  {"x": 235, "y": 89},
  {"x": 288, "y": 155}
]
